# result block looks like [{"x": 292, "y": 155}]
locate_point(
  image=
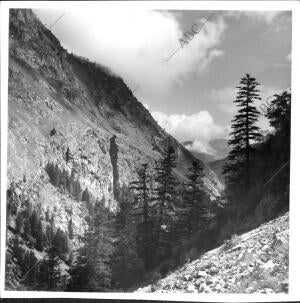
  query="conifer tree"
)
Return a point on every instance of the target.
[
  {"x": 37, "y": 229},
  {"x": 166, "y": 182},
  {"x": 141, "y": 192},
  {"x": 244, "y": 133},
  {"x": 144, "y": 214},
  {"x": 279, "y": 115},
  {"x": 91, "y": 270},
  {"x": 30, "y": 269},
  {"x": 279, "y": 112},
  {"x": 193, "y": 195},
  {"x": 165, "y": 197},
  {"x": 127, "y": 266},
  {"x": 50, "y": 273}
]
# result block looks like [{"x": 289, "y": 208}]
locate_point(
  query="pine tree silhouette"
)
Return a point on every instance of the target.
[
  {"x": 144, "y": 214},
  {"x": 91, "y": 270},
  {"x": 127, "y": 265},
  {"x": 194, "y": 209},
  {"x": 165, "y": 197},
  {"x": 244, "y": 132}
]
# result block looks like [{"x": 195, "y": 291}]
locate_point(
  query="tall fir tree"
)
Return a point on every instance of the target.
[
  {"x": 127, "y": 266},
  {"x": 91, "y": 270},
  {"x": 244, "y": 132},
  {"x": 193, "y": 196},
  {"x": 144, "y": 214},
  {"x": 141, "y": 191},
  {"x": 165, "y": 191}
]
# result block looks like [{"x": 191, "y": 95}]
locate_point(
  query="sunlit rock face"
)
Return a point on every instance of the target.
[{"x": 63, "y": 112}]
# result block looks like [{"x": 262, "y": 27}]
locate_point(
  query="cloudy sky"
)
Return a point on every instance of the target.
[{"x": 190, "y": 94}]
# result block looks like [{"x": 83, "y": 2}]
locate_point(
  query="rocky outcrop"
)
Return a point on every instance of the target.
[
  {"x": 113, "y": 152},
  {"x": 254, "y": 262}
]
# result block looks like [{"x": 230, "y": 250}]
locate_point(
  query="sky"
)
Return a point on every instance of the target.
[{"x": 187, "y": 84}]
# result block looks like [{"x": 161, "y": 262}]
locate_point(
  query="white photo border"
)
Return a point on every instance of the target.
[{"x": 294, "y": 252}]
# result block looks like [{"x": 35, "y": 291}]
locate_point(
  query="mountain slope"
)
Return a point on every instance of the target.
[
  {"x": 217, "y": 166},
  {"x": 254, "y": 262},
  {"x": 221, "y": 147},
  {"x": 76, "y": 134},
  {"x": 205, "y": 158},
  {"x": 86, "y": 106}
]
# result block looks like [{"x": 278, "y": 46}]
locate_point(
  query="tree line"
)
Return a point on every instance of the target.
[{"x": 155, "y": 212}]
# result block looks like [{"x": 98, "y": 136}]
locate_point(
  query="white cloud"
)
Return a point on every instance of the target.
[
  {"x": 201, "y": 147},
  {"x": 199, "y": 128},
  {"x": 135, "y": 43}
]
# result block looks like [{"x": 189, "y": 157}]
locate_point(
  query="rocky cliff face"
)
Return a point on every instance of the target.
[{"x": 75, "y": 118}]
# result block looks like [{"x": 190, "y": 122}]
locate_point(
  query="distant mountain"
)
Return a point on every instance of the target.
[
  {"x": 220, "y": 147},
  {"x": 217, "y": 167},
  {"x": 200, "y": 156}
]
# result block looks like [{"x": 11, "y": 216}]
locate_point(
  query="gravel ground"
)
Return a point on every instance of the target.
[{"x": 255, "y": 262}]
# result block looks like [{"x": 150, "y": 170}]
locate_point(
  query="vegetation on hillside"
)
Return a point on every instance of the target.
[{"x": 156, "y": 212}]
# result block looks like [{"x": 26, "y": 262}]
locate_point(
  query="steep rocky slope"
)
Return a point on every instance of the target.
[
  {"x": 59, "y": 105},
  {"x": 217, "y": 167},
  {"x": 254, "y": 262}
]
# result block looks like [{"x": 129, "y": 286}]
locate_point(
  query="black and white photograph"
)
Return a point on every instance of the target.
[{"x": 147, "y": 149}]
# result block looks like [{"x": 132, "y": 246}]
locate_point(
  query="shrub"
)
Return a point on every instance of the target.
[{"x": 230, "y": 243}]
